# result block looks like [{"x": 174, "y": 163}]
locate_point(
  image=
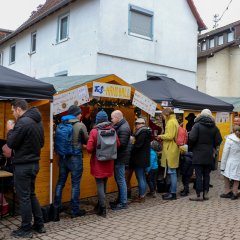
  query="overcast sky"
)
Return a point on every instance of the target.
[{"x": 15, "y": 12}]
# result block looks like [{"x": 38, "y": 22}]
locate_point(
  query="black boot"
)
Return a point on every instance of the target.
[
  {"x": 102, "y": 212},
  {"x": 129, "y": 194},
  {"x": 55, "y": 214},
  {"x": 184, "y": 192},
  {"x": 169, "y": 196},
  {"x": 96, "y": 207}
]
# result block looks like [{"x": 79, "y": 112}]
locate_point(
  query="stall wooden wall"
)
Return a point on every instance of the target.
[{"x": 88, "y": 186}]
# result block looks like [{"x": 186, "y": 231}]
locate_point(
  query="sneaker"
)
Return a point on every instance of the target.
[
  {"x": 114, "y": 203},
  {"x": 38, "y": 229},
  {"x": 21, "y": 233},
  {"x": 205, "y": 196},
  {"x": 184, "y": 193},
  {"x": 234, "y": 197},
  {"x": 226, "y": 195},
  {"x": 81, "y": 213},
  {"x": 169, "y": 196},
  {"x": 149, "y": 194},
  {"x": 154, "y": 194},
  {"x": 196, "y": 198},
  {"x": 119, "y": 206}
]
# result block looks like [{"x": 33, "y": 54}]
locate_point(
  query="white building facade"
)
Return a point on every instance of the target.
[{"x": 132, "y": 39}]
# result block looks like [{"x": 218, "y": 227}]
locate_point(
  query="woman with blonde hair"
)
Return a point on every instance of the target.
[
  {"x": 230, "y": 164},
  {"x": 170, "y": 152}
]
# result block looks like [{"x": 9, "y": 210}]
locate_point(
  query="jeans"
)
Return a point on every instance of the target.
[
  {"x": 101, "y": 190},
  {"x": 24, "y": 182},
  {"x": 141, "y": 178},
  {"x": 119, "y": 174},
  {"x": 152, "y": 180},
  {"x": 173, "y": 176},
  {"x": 202, "y": 177},
  {"x": 74, "y": 165}
]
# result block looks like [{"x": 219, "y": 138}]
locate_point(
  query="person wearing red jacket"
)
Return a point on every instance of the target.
[{"x": 101, "y": 170}]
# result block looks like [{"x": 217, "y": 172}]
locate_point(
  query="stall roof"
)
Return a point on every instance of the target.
[
  {"x": 235, "y": 101},
  {"x": 67, "y": 82},
  {"x": 17, "y": 85},
  {"x": 167, "y": 89}
]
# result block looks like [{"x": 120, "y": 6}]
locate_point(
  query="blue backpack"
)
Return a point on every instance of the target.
[{"x": 63, "y": 144}]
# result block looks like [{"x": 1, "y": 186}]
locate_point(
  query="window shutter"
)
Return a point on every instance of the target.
[{"x": 141, "y": 24}]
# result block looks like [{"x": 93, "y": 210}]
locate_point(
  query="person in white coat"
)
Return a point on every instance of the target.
[{"x": 230, "y": 164}]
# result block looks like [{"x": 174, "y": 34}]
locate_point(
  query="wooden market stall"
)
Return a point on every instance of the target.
[
  {"x": 17, "y": 85},
  {"x": 92, "y": 93},
  {"x": 167, "y": 92}
]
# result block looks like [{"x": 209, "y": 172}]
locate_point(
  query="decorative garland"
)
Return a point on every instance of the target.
[{"x": 106, "y": 103}]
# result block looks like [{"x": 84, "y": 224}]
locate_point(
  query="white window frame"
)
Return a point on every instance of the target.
[
  {"x": 232, "y": 36},
  {"x": 10, "y": 53},
  {"x": 1, "y": 58},
  {"x": 211, "y": 43},
  {"x": 60, "y": 18},
  {"x": 220, "y": 40},
  {"x": 32, "y": 39},
  {"x": 203, "y": 46},
  {"x": 61, "y": 74},
  {"x": 142, "y": 11}
]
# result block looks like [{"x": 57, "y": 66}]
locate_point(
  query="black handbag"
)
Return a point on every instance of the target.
[
  {"x": 163, "y": 186},
  {"x": 50, "y": 213}
]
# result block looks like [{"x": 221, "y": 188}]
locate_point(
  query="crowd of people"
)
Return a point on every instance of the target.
[{"x": 116, "y": 150}]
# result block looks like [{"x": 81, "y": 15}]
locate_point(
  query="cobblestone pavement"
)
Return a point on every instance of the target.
[{"x": 155, "y": 219}]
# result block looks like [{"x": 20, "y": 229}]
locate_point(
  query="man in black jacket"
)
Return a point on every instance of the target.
[
  {"x": 26, "y": 138},
  {"x": 123, "y": 155}
]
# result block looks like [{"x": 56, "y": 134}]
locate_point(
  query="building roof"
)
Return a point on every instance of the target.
[
  {"x": 219, "y": 30},
  {"x": 209, "y": 35},
  {"x": 52, "y": 6},
  {"x": 235, "y": 101},
  {"x": 201, "y": 24},
  {"x": 67, "y": 82}
]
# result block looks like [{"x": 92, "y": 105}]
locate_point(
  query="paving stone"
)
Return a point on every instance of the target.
[{"x": 216, "y": 219}]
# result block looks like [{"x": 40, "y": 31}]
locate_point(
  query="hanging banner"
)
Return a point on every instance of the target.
[
  {"x": 222, "y": 117},
  {"x": 63, "y": 101},
  {"x": 144, "y": 103},
  {"x": 111, "y": 90}
]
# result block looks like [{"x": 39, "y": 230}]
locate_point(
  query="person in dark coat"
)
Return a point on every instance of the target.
[
  {"x": 204, "y": 139},
  {"x": 123, "y": 130},
  {"x": 26, "y": 138},
  {"x": 190, "y": 118},
  {"x": 141, "y": 156}
]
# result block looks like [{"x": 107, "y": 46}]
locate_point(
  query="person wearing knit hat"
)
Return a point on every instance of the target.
[
  {"x": 79, "y": 140},
  {"x": 101, "y": 169},
  {"x": 206, "y": 112},
  {"x": 74, "y": 110},
  {"x": 204, "y": 140},
  {"x": 101, "y": 117}
]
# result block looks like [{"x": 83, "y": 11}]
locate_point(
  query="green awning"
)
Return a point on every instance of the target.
[{"x": 67, "y": 82}]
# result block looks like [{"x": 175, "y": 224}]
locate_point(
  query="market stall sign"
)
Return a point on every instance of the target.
[
  {"x": 111, "y": 90},
  {"x": 144, "y": 103},
  {"x": 63, "y": 101},
  {"x": 222, "y": 117}
]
